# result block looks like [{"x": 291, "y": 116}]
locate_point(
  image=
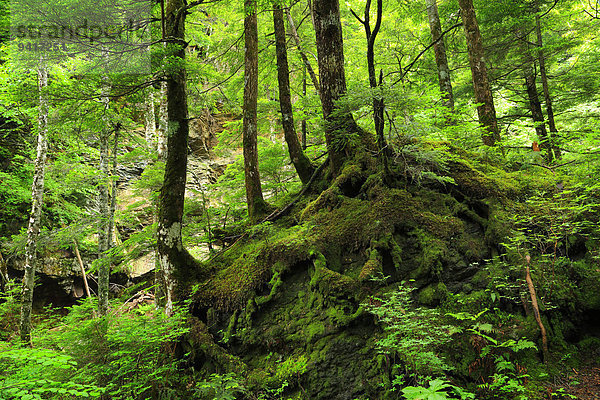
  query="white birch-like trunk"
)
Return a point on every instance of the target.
[
  {"x": 150, "y": 122},
  {"x": 162, "y": 123},
  {"x": 113, "y": 192},
  {"x": 37, "y": 194},
  {"x": 103, "y": 207}
]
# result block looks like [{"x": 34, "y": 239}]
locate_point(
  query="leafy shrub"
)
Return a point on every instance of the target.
[
  {"x": 438, "y": 389},
  {"x": 131, "y": 353},
  {"x": 9, "y": 311},
  {"x": 31, "y": 373},
  {"x": 414, "y": 335}
]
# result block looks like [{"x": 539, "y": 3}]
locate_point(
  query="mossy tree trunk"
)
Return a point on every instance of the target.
[
  {"x": 481, "y": 85},
  {"x": 254, "y": 197},
  {"x": 302, "y": 164},
  {"x": 330, "y": 54},
  {"x": 175, "y": 262},
  {"x": 37, "y": 194},
  {"x": 439, "y": 49}
]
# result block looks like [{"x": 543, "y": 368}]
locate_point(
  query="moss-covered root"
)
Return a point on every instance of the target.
[{"x": 202, "y": 348}]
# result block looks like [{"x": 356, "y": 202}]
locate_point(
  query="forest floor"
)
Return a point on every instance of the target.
[
  {"x": 584, "y": 383},
  {"x": 589, "y": 383}
]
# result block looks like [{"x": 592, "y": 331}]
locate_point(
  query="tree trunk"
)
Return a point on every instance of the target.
[
  {"x": 439, "y": 48},
  {"x": 149, "y": 120},
  {"x": 113, "y": 191},
  {"x": 311, "y": 72},
  {"x": 535, "y": 107},
  {"x": 176, "y": 264},
  {"x": 302, "y": 164},
  {"x": 536, "y": 313},
  {"x": 37, "y": 194},
  {"x": 330, "y": 52},
  {"x": 536, "y": 111},
  {"x": 82, "y": 267},
  {"x": 103, "y": 207},
  {"x": 481, "y": 85},
  {"x": 303, "y": 124},
  {"x": 544, "y": 77},
  {"x": 3, "y": 275},
  {"x": 163, "y": 118},
  {"x": 254, "y": 197},
  {"x": 378, "y": 103}
]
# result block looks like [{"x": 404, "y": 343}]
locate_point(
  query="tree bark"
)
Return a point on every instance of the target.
[
  {"x": 303, "y": 124},
  {"x": 309, "y": 68},
  {"x": 536, "y": 111},
  {"x": 254, "y": 197},
  {"x": 81, "y": 266},
  {"x": 330, "y": 53},
  {"x": 161, "y": 138},
  {"x": 481, "y": 85},
  {"x": 149, "y": 120},
  {"x": 302, "y": 164},
  {"x": 3, "y": 275},
  {"x": 439, "y": 49},
  {"x": 536, "y": 313},
  {"x": 113, "y": 190},
  {"x": 378, "y": 102},
  {"x": 176, "y": 264},
  {"x": 544, "y": 77},
  {"x": 37, "y": 194},
  {"x": 103, "y": 207}
]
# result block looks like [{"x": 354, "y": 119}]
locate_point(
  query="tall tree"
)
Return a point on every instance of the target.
[
  {"x": 175, "y": 262},
  {"x": 439, "y": 49},
  {"x": 103, "y": 203},
  {"x": 378, "y": 103},
  {"x": 303, "y": 56},
  {"x": 149, "y": 119},
  {"x": 330, "y": 55},
  {"x": 161, "y": 136},
  {"x": 37, "y": 194},
  {"x": 257, "y": 207},
  {"x": 535, "y": 108},
  {"x": 103, "y": 207},
  {"x": 544, "y": 78},
  {"x": 481, "y": 85},
  {"x": 302, "y": 164}
]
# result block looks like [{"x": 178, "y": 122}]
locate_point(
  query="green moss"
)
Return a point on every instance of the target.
[
  {"x": 203, "y": 347},
  {"x": 339, "y": 317},
  {"x": 275, "y": 284},
  {"x": 230, "y": 327},
  {"x": 371, "y": 269},
  {"x": 290, "y": 370},
  {"x": 331, "y": 283},
  {"x": 433, "y": 294},
  {"x": 247, "y": 268}
]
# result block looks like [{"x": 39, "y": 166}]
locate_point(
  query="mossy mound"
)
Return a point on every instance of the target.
[{"x": 288, "y": 297}]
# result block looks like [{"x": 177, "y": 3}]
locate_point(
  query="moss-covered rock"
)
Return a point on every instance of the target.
[{"x": 293, "y": 291}]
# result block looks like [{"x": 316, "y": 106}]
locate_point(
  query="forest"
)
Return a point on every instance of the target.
[{"x": 300, "y": 199}]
